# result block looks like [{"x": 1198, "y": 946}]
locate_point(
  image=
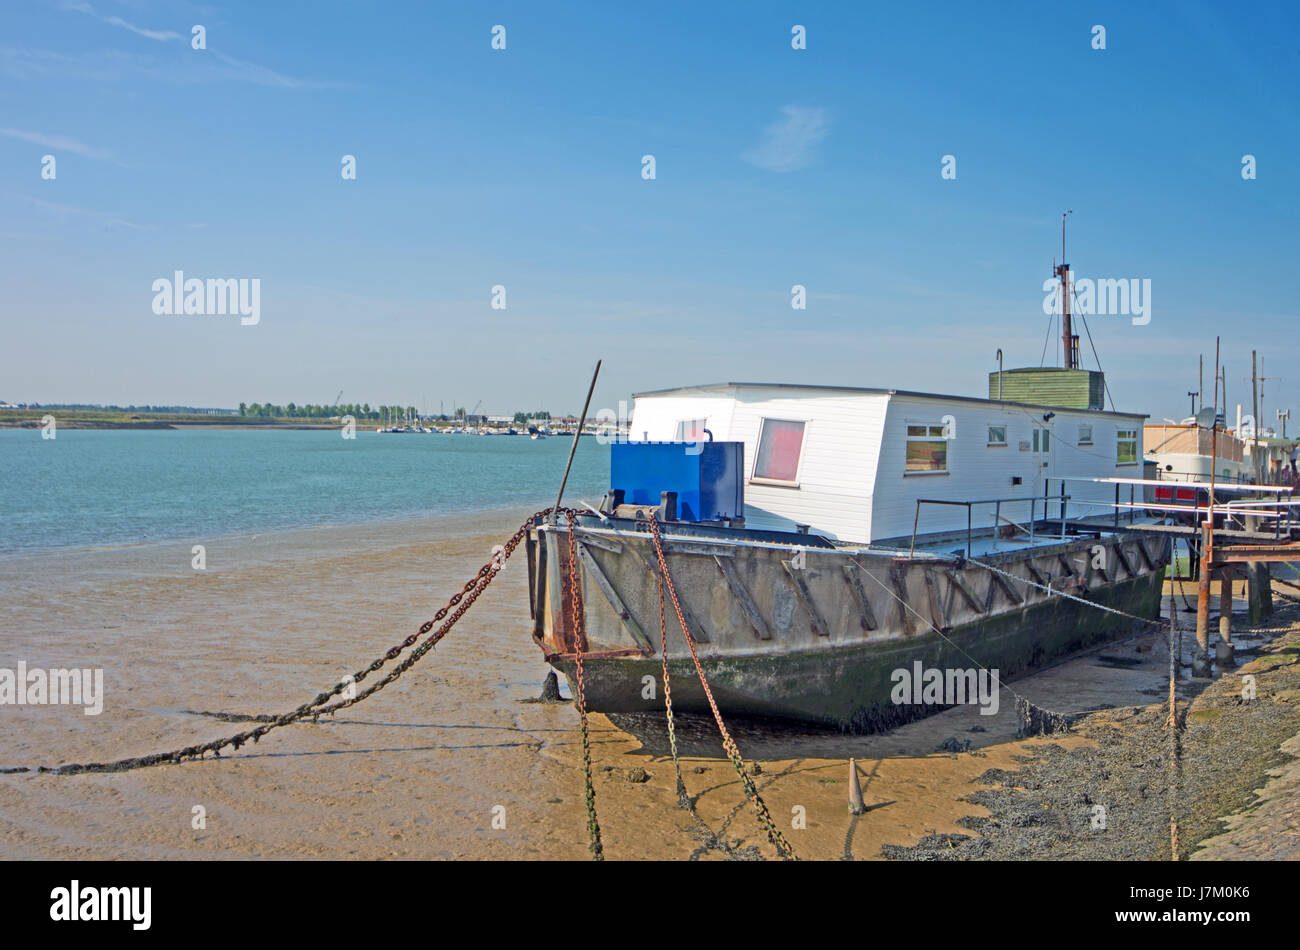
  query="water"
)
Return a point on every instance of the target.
[{"x": 89, "y": 488}]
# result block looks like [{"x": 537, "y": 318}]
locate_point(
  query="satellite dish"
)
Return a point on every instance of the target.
[{"x": 1206, "y": 418}]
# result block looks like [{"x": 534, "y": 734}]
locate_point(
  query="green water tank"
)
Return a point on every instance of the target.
[{"x": 1050, "y": 386}]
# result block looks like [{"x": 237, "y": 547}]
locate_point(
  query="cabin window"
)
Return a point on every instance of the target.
[
  {"x": 1126, "y": 447},
  {"x": 997, "y": 435},
  {"x": 927, "y": 449},
  {"x": 1085, "y": 435},
  {"x": 691, "y": 430},
  {"x": 1042, "y": 440},
  {"x": 779, "y": 445}
]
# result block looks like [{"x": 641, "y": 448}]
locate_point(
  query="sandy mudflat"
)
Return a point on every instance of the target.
[{"x": 415, "y": 771}]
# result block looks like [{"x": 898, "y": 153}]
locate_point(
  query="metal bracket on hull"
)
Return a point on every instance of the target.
[
  {"x": 899, "y": 581},
  {"x": 1122, "y": 555},
  {"x": 728, "y": 568},
  {"x": 866, "y": 618},
  {"x": 1146, "y": 554},
  {"x": 937, "y": 616},
  {"x": 958, "y": 583},
  {"x": 611, "y": 595},
  {"x": 697, "y": 630},
  {"x": 999, "y": 581},
  {"x": 596, "y": 541},
  {"x": 805, "y": 598}
]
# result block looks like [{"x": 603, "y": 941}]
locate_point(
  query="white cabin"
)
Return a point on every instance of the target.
[{"x": 850, "y": 463}]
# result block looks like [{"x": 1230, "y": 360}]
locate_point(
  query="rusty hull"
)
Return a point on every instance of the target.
[{"x": 815, "y": 636}]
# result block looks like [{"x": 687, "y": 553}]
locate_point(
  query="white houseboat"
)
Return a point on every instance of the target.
[{"x": 822, "y": 538}]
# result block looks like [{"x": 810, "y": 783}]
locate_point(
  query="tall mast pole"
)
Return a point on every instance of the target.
[
  {"x": 1071, "y": 345},
  {"x": 1200, "y": 379},
  {"x": 1254, "y": 442}
]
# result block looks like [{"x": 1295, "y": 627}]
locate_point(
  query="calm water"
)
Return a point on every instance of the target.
[{"x": 96, "y": 488}]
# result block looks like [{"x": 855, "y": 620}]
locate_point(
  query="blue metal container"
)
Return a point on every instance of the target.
[{"x": 707, "y": 476}]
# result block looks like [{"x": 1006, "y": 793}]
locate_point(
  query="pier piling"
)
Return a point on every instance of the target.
[
  {"x": 1223, "y": 651},
  {"x": 1201, "y": 652}
]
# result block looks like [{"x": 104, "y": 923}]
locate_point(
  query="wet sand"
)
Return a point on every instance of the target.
[{"x": 418, "y": 770}]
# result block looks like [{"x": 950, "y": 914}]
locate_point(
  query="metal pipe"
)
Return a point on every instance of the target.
[{"x": 555, "y": 512}]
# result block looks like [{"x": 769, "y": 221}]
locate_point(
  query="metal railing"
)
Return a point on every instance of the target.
[{"x": 997, "y": 513}]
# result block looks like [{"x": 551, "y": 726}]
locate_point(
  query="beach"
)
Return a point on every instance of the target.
[{"x": 452, "y": 761}]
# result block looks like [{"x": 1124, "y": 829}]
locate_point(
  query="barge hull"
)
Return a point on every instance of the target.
[
  {"x": 849, "y": 688},
  {"x": 814, "y": 645}
]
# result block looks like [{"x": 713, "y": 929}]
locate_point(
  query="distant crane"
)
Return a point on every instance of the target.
[
  {"x": 336, "y": 399},
  {"x": 474, "y": 411}
]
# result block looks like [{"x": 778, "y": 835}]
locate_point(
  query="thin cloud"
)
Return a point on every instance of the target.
[
  {"x": 265, "y": 76},
  {"x": 60, "y": 142},
  {"x": 792, "y": 141},
  {"x": 86, "y": 212},
  {"x": 161, "y": 36},
  {"x": 118, "y": 66}
]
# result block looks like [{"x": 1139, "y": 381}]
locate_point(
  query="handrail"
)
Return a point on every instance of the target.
[{"x": 997, "y": 515}]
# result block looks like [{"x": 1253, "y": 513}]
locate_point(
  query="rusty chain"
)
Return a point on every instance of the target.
[
  {"x": 456, "y": 606},
  {"x": 733, "y": 753},
  {"x": 577, "y": 624},
  {"x": 683, "y": 798}
]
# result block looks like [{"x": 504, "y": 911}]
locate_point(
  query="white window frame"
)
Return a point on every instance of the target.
[
  {"x": 1088, "y": 427},
  {"x": 928, "y": 437},
  {"x": 756, "y": 479},
  {"x": 1004, "y": 427},
  {"x": 1123, "y": 436}
]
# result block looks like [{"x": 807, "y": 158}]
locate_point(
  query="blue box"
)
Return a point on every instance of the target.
[{"x": 707, "y": 476}]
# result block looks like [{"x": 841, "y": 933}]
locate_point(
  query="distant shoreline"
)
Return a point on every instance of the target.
[
  {"x": 92, "y": 419},
  {"x": 101, "y": 419}
]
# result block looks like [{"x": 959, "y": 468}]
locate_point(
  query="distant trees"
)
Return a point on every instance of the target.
[{"x": 269, "y": 410}]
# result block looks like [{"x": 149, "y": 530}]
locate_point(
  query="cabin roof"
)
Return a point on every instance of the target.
[{"x": 714, "y": 387}]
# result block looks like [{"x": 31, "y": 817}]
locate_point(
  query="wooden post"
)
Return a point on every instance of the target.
[
  {"x": 1201, "y": 652},
  {"x": 1223, "y": 650},
  {"x": 856, "y": 805},
  {"x": 1259, "y": 589}
]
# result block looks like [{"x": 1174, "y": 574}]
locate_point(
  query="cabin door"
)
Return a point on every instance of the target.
[{"x": 1043, "y": 448}]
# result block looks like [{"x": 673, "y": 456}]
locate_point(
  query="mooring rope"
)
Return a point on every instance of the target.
[
  {"x": 1031, "y": 719},
  {"x": 456, "y": 606},
  {"x": 728, "y": 744}
]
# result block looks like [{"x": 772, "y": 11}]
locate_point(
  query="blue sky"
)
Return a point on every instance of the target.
[{"x": 774, "y": 167}]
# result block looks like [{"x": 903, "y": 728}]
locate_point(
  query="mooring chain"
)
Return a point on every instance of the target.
[
  {"x": 456, "y": 606},
  {"x": 733, "y": 753},
  {"x": 577, "y": 626}
]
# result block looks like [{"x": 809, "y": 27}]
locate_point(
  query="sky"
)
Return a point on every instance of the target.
[{"x": 523, "y": 168}]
